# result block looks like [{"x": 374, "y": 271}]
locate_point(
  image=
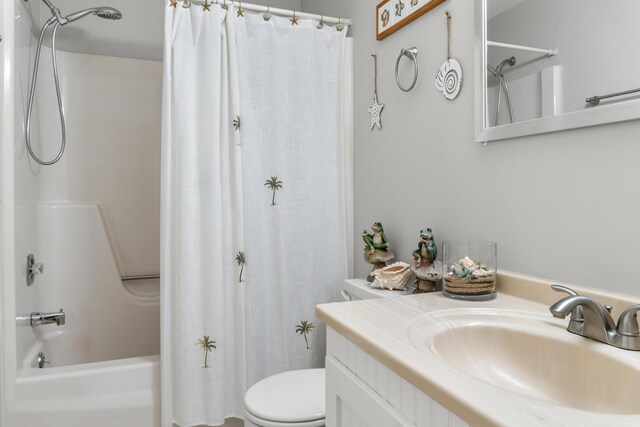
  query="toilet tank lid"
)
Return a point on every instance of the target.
[{"x": 292, "y": 396}]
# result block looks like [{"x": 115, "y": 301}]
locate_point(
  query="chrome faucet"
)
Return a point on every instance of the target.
[
  {"x": 597, "y": 323},
  {"x": 39, "y": 319}
]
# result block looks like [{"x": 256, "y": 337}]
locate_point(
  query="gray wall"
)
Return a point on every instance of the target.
[{"x": 562, "y": 206}]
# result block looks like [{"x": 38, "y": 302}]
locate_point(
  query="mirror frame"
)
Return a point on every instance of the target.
[{"x": 602, "y": 114}]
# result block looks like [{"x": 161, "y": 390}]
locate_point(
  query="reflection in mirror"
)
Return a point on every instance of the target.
[{"x": 544, "y": 58}]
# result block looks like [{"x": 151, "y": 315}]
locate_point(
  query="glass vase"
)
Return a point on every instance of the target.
[{"x": 469, "y": 270}]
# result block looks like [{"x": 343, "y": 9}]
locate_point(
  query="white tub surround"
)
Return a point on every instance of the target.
[
  {"x": 104, "y": 366},
  {"x": 384, "y": 330},
  {"x": 104, "y": 320}
]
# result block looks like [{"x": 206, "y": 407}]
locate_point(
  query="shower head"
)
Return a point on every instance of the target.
[
  {"x": 102, "y": 12},
  {"x": 511, "y": 61},
  {"x": 109, "y": 13}
]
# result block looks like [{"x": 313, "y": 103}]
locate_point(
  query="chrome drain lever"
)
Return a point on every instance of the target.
[{"x": 42, "y": 360}]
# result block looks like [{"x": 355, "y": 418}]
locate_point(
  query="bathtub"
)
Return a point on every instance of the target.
[
  {"x": 117, "y": 393},
  {"x": 104, "y": 368}
]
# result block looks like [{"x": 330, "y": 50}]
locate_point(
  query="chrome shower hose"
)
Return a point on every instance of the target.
[{"x": 32, "y": 91}]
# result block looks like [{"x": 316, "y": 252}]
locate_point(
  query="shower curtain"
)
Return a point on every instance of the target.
[{"x": 255, "y": 181}]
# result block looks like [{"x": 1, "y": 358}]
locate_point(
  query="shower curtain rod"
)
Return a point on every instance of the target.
[
  {"x": 548, "y": 52},
  {"x": 281, "y": 12}
]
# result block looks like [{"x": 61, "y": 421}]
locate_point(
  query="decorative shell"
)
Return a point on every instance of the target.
[
  {"x": 449, "y": 79},
  {"x": 393, "y": 276}
]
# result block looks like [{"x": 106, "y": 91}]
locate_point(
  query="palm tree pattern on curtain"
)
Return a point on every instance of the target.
[
  {"x": 304, "y": 328},
  {"x": 274, "y": 185},
  {"x": 207, "y": 345},
  {"x": 241, "y": 262}
]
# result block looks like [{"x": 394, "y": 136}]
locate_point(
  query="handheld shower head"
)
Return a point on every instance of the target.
[
  {"x": 102, "y": 12},
  {"x": 57, "y": 20},
  {"x": 109, "y": 13}
]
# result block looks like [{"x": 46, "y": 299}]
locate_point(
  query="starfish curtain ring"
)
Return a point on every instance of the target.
[{"x": 294, "y": 19}]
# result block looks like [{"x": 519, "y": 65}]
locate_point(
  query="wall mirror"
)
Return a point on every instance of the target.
[{"x": 537, "y": 62}]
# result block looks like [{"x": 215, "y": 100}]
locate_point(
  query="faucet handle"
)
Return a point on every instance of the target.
[
  {"x": 628, "y": 322},
  {"x": 565, "y": 289},
  {"x": 577, "y": 314}
]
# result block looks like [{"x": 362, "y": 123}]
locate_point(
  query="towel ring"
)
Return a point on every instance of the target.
[{"x": 412, "y": 54}]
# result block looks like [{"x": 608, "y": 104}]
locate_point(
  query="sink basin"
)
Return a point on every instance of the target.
[{"x": 532, "y": 355}]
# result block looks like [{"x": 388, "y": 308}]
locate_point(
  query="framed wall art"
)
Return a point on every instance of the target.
[{"x": 392, "y": 15}]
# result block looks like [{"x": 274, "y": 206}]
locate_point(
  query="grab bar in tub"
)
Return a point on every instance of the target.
[{"x": 140, "y": 277}]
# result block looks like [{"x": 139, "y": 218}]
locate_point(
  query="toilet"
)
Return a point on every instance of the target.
[
  {"x": 297, "y": 398},
  {"x": 292, "y": 399}
]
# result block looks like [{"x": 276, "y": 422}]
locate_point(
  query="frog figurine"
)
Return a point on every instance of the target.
[
  {"x": 425, "y": 266},
  {"x": 427, "y": 248},
  {"x": 376, "y": 250}
]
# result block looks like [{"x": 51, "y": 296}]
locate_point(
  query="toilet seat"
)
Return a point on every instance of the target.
[
  {"x": 291, "y": 399},
  {"x": 266, "y": 423}
]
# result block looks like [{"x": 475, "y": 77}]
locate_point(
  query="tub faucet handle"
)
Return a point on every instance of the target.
[
  {"x": 33, "y": 269},
  {"x": 38, "y": 268}
]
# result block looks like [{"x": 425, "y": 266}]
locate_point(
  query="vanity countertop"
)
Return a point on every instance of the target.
[{"x": 380, "y": 327}]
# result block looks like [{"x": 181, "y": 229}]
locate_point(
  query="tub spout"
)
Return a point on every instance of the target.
[{"x": 39, "y": 319}]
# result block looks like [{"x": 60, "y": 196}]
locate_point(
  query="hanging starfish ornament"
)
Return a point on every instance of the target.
[
  {"x": 376, "y": 108},
  {"x": 240, "y": 11},
  {"x": 206, "y": 6},
  {"x": 173, "y": 3},
  {"x": 375, "y": 111},
  {"x": 294, "y": 19}
]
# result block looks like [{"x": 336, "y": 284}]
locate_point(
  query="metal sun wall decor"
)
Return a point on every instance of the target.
[
  {"x": 392, "y": 15},
  {"x": 449, "y": 76}
]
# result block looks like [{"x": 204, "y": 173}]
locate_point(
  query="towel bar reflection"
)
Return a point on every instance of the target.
[
  {"x": 140, "y": 277},
  {"x": 595, "y": 100}
]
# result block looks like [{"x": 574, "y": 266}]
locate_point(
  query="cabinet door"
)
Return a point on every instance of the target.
[{"x": 351, "y": 403}]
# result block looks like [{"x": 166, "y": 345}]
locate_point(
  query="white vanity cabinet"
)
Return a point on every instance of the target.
[
  {"x": 431, "y": 361},
  {"x": 362, "y": 392}
]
